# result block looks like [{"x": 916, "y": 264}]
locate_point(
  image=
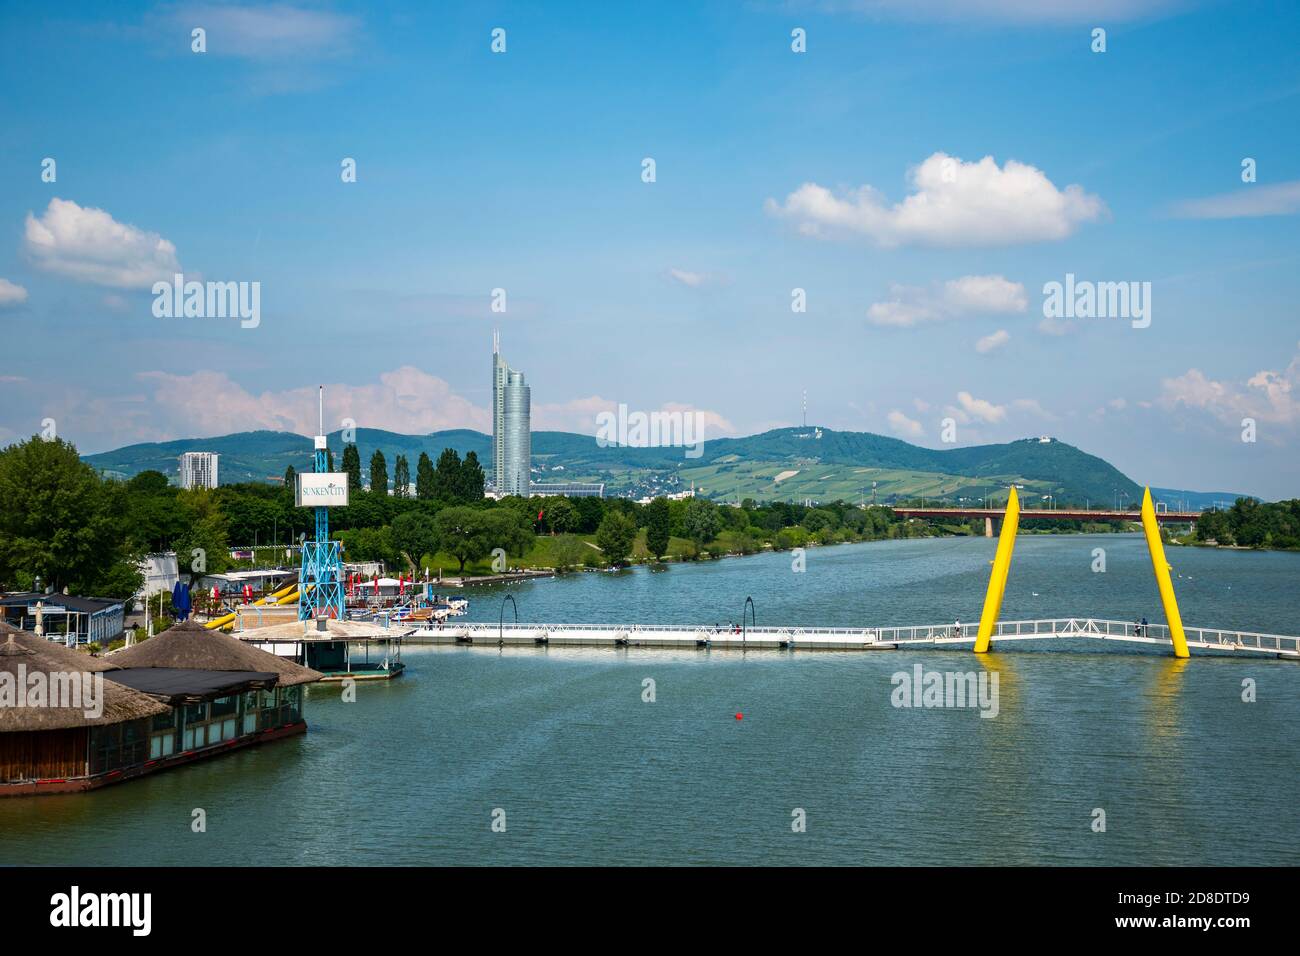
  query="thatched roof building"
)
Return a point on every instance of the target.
[
  {"x": 70, "y": 659},
  {"x": 22, "y": 656},
  {"x": 191, "y": 646},
  {"x": 184, "y": 695}
]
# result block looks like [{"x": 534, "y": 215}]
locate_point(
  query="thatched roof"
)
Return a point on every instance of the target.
[
  {"x": 70, "y": 659},
  {"x": 22, "y": 658},
  {"x": 191, "y": 646}
]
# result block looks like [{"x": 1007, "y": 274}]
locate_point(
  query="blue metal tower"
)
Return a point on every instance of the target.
[{"x": 320, "y": 582}]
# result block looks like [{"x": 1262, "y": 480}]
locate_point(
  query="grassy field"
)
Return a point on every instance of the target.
[{"x": 737, "y": 480}]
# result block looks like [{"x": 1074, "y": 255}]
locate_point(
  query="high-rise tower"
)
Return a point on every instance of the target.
[{"x": 511, "y": 426}]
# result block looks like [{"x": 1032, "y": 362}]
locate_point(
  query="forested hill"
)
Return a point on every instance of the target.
[{"x": 777, "y": 462}]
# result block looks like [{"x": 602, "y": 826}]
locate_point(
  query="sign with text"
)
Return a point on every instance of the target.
[{"x": 324, "y": 490}]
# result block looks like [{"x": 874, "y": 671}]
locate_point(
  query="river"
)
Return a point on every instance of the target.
[{"x": 562, "y": 747}]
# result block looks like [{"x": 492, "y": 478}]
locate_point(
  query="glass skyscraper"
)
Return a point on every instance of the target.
[{"x": 512, "y": 446}]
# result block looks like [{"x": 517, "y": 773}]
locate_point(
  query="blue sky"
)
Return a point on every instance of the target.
[{"x": 775, "y": 170}]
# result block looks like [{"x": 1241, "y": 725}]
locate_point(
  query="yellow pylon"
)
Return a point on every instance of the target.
[
  {"x": 1161, "y": 567},
  {"x": 1001, "y": 568}
]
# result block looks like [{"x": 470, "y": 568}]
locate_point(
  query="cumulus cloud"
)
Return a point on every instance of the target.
[
  {"x": 969, "y": 295},
  {"x": 953, "y": 203},
  {"x": 1251, "y": 200},
  {"x": 902, "y": 425},
  {"x": 1268, "y": 396},
  {"x": 89, "y": 245},
  {"x": 404, "y": 400},
  {"x": 972, "y": 409},
  {"x": 990, "y": 342},
  {"x": 11, "y": 294}
]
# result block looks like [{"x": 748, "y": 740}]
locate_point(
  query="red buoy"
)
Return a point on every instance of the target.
[{"x": 740, "y": 716}]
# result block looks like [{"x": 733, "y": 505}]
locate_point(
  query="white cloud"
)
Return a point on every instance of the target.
[
  {"x": 954, "y": 203},
  {"x": 970, "y": 408},
  {"x": 268, "y": 32},
  {"x": 1054, "y": 326},
  {"x": 990, "y": 342},
  {"x": 1251, "y": 200},
  {"x": 1032, "y": 406},
  {"x": 405, "y": 400},
  {"x": 902, "y": 425},
  {"x": 89, "y": 245},
  {"x": 11, "y": 294},
  {"x": 1267, "y": 396},
  {"x": 912, "y": 305}
]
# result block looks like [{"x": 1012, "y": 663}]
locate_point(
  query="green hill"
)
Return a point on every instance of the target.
[{"x": 786, "y": 464}]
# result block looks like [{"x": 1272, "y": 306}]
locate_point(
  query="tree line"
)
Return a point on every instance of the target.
[{"x": 1252, "y": 524}]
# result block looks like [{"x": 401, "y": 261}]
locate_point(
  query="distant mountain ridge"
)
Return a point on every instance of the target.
[{"x": 752, "y": 465}]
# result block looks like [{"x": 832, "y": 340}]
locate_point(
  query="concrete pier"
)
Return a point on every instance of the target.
[{"x": 686, "y": 636}]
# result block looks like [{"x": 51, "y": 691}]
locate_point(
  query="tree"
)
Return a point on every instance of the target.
[
  {"x": 702, "y": 522},
  {"x": 568, "y": 551},
  {"x": 472, "y": 479},
  {"x": 508, "y": 529},
  {"x": 615, "y": 536},
  {"x": 62, "y": 522},
  {"x": 207, "y": 532},
  {"x": 590, "y": 511},
  {"x": 402, "y": 477},
  {"x": 657, "y": 528},
  {"x": 462, "y": 533},
  {"x": 560, "y": 515},
  {"x": 414, "y": 533},
  {"x": 424, "y": 477},
  {"x": 152, "y": 518},
  {"x": 369, "y": 544},
  {"x": 447, "y": 477},
  {"x": 290, "y": 480},
  {"x": 352, "y": 465},
  {"x": 378, "y": 473}
]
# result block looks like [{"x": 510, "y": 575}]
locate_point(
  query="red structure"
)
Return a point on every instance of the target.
[{"x": 1071, "y": 514}]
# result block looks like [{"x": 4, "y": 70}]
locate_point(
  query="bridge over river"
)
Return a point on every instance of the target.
[
  {"x": 742, "y": 637},
  {"x": 988, "y": 631}
]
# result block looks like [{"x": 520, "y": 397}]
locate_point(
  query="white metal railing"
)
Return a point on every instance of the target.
[{"x": 1064, "y": 627}]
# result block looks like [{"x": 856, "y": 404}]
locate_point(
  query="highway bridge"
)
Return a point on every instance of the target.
[{"x": 1072, "y": 514}]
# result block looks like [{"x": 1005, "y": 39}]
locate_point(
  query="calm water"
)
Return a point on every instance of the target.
[{"x": 586, "y": 772}]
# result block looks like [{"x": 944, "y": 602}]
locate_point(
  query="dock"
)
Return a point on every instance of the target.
[{"x": 683, "y": 636}]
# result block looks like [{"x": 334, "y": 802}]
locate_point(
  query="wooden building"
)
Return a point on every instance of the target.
[{"x": 183, "y": 695}]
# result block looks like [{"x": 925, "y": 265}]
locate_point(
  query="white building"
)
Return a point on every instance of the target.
[
  {"x": 161, "y": 572},
  {"x": 198, "y": 469}
]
